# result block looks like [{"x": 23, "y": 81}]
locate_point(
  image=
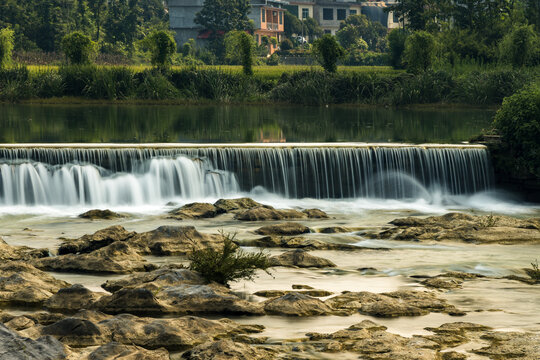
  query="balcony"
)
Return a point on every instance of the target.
[{"x": 272, "y": 26}]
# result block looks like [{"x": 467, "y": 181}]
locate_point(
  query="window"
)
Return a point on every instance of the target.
[
  {"x": 341, "y": 14},
  {"x": 353, "y": 12},
  {"x": 328, "y": 14},
  {"x": 280, "y": 18},
  {"x": 305, "y": 13},
  {"x": 263, "y": 15}
]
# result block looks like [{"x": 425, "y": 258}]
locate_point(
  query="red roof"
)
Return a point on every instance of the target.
[{"x": 207, "y": 34}]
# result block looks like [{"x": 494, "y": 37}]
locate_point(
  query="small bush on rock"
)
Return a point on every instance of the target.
[{"x": 228, "y": 264}]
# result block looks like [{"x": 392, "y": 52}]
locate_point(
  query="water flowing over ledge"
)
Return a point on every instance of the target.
[{"x": 139, "y": 174}]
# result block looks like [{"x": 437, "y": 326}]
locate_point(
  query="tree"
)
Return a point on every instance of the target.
[
  {"x": 396, "y": 46},
  {"x": 292, "y": 25},
  {"x": 98, "y": 8},
  {"x": 246, "y": 48},
  {"x": 240, "y": 49},
  {"x": 422, "y": 14},
  {"x": 359, "y": 26},
  {"x": 162, "y": 47},
  {"x": 6, "y": 46},
  {"x": 122, "y": 23},
  {"x": 312, "y": 28},
  {"x": 516, "y": 48},
  {"x": 419, "y": 51},
  {"x": 286, "y": 45},
  {"x": 224, "y": 15},
  {"x": 328, "y": 52},
  {"x": 78, "y": 48}
]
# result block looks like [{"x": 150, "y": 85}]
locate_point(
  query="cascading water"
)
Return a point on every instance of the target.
[{"x": 145, "y": 175}]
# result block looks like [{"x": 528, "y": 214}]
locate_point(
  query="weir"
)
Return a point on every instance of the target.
[{"x": 137, "y": 174}]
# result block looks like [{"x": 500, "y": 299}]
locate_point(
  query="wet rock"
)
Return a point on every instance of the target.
[
  {"x": 287, "y": 229},
  {"x": 194, "y": 211},
  {"x": 306, "y": 287},
  {"x": 394, "y": 304},
  {"x": 526, "y": 280},
  {"x": 21, "y": 322},
  {"x": 442, "y": 283},
  {"x": 461, "y": 275},
  {"x": 229, "y": 350},
  {"x": 297, "y": 304},
  {"x": 97, "y": 214},
  {"x": 333, "y": 230},
  {"x": 174, "y": 240},
  {"x": 315, "y": 214},
  {"x": 278, "y": 293},
  {"x": 91, "y": 242},
  {"x": 300, "y": 258},
  {"x": 453, "y": 355},
  {"x": 234, "y": 205},
  {"x": 10, "y": 253},
  {"x": 511, "y": 345},
  {"x": 23, "y": 284},
  {"x": 115, "y": 350},
  {"x": 16, "y": 347},
  {"x": 180, "y": 299},
  {"x": 297, "y": 242},
  {"x": 265, "y": 213},
  {"x": 72, "y": 299},
  {"x": 164, "y": 276},
  {"x": 468, "y": 228},
  {"x": 116, "y": 258},
  {"x": 171, "y": 334}
]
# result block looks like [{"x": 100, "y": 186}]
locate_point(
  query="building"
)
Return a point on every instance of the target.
[
  {"x": 181, "y": 16},
  {"x": 268, "y": 17}
]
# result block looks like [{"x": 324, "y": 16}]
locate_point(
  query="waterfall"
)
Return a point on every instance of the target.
[{"x": 137, "y": 175}]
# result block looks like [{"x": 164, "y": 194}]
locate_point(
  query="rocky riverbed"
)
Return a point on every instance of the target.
[{"x": 375, "y": 285}]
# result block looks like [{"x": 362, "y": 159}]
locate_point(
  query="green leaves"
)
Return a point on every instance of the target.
[{"x": 328, "y": 52}]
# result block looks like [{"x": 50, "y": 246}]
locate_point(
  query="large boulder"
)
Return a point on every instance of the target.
[
  {"x": 265, "y": 213},
  {"x": 115, "y": 350},
  {"x": 286, "y": 229},
  {"x": 511, "y": 345},
  {"x": 315, "y": 214},
  {"x": 235, "y": 205},
  {"x": 297, "y": 242},
  {"x": 300, "y": 258},
  {"x": 174, "y": 240},
  {"x": 297, "y": 304},
  {"x": 116, "y": 258},
  {"x": 194, "y": 211},
  {"x": 72, "y": 299},
  {"x": 8, "y": 252},
  {"x": 23, "y": 284},
  {"x": 16, "y": 347},
  {"x": 91, "y": 242},
  {"x": 468, "y": 228},
  {"x": 98, "y": 214},
  {"x": 229, "y": 350}
]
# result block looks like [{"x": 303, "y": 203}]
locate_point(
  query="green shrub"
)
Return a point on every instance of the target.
[
  {"x": 6, "y": 46},
  {"x": 111, "y": 84},
  {"x": 78, "y": 48},
  {"x": 518, "y": 47},
  {"x": 518, "y": 122},
  {"x": 534, "y": 271},
  {"x": 286, "y": 45},
  {"x": 76, "y": 78},
  {"x": 228, "y": 264},
  {"x": 162, "y": 47},
  {"x": 47, "y": 83},
  {"x": 328, "y": 52},
  {"x": 15, "y": 84},
  {"x": 424, "y": 88},
  {"x": 488, "y": 86},
  {"x": 153, "y": 85},
  {"x": 273, "y": 60},
  {"x": 247, "y": 53},
  {"x": 396, "y": 47},
  {"x": 419, "y": 52}
]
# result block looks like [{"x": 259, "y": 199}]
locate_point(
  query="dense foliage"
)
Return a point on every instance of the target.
[
  {"x": 162, "y": 47},
  {"x": 228, "y": 264},
  {"x": 6, "y": 46},
  {"x": 328, "y": 52},
  {"x": 78, "y": 48}
]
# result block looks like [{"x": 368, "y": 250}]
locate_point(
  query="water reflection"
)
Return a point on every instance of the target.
[{"x": 235, "y": 123}]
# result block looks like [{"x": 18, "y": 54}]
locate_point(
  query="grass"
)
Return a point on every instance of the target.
[{"x": 534, "y": 271}]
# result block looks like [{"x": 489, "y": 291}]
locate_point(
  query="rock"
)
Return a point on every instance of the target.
[
  {"x": 461, "y": 275},
  {"x": 174, "y": 240},
  {"x": 458, "y": 328},
  {"x": 16, "y": 347},
  {"x": 306, "y": 287},
  {"x": 151, "y": 299},
  {"x": 442, "y": 283},
  {"x": 114, "y": 350},
  {"x": 526, "y": 280},
  {"x": 300, "y": 258},
  {"x": 233, "y": 205},
  {"x": 278, "y": 293},
  {"x": 172, "y": 334},
  {"x": 164, "y": 276},
  {"x": 463, "y": 227},
  {"x": 10, "y": 253},
  {"x": 333, "y": 230},
  {"x": 287, "y": 229},
  {"x": 23, "y": 284},
  {"x": 95, "y": 241},
  {"x": 297, "y": 304},
  {"x": 72, "y": 299},
  {"x": 194, "y": 211},
  {"x": 100, "y": 215},
  {"x": 265, "y": 213},
  {"x": 297, "y": 242},
  {"x": 21, "y": 322},
  {"x": 229, "y": 350},
  {"x": 116, "y": 258},
  {"x": 511, "y": 345},
  {"x": 394, "y": 304},
  {"x": 315, "y": 214},
  {"x": 453, "y": 355}
]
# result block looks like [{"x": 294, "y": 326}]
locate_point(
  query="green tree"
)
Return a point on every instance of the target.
[
  {"x": 422, "y": 14},
  {"x": 240, "y": 49},
  {"x": 224, "y": 15},
  {"x": 99, "y": 9},
  {"x": 162, "y": 47},
  {"x": 292, "y": 25},
  {"x": 516, "y": 48},
  {"x": 122, "y": 23},
  {"x": 396, "y": 46},
  {"x": 246, "y": 48},
  {"x": 312, "y": 29},
  {"x": 82, "y": 17},
  {"x": 419, "y": 51},
  {"x": 328, "y": 51},
  {"x": 78, "y": 48},
  {"x": 359, "y": 26},
  {"x": 6, "y": 46}
]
